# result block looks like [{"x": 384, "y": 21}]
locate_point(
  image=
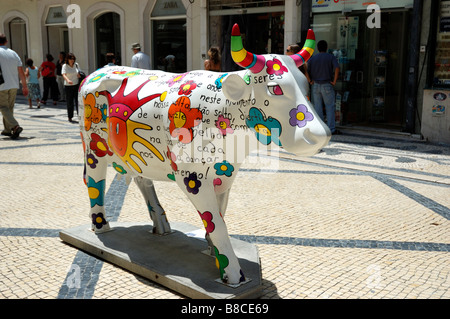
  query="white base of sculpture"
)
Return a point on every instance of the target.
[{"x": 175, "y": 261}]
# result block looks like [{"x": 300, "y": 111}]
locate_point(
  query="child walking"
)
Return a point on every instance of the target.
[{"x": 34, "y": 91}]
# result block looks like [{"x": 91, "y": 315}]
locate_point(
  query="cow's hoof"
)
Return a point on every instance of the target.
[
  {"x": 234, "y": 282},
  {"x": 105, "y": 228}
]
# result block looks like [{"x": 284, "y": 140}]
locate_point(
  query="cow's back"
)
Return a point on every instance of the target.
[{"x": 153, "y": 120}]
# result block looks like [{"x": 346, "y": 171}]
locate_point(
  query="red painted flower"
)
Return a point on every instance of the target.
[
  {"x": 99, "y": 146},
  {"x": 186, "y": 88},
  {"x": 172, "y": 158},
  {"x": 183, "y": 119},
  {"x": 207, "y": 221},
  {"x": 276, "y": 67}
]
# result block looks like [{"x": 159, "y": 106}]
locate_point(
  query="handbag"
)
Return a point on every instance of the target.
[{"x": 81, "y": 73}]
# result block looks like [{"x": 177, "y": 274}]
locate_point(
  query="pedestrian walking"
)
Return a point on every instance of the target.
[
  {"x": 34, "y": 90},
  {"x": 70, "y": 72},
  {"x": 139, "y": 60},
  {"x": 11, "y": 70},
  {"x": 59, "y": 77},
  {"x": 48, "y": 72},
  {"x": 322, "y": 73}
]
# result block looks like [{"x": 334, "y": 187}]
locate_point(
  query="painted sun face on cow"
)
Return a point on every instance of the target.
[{"x": 153, "y": 125}]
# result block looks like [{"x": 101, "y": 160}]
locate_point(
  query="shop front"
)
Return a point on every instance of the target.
[
  {"x": 371, "y": 45},
  {"x": 436, "y": 96},
  {"x": 262, "y": 24}
]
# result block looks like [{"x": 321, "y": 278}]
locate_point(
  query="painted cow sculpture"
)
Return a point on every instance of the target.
[{"x": 154, "y": 125}]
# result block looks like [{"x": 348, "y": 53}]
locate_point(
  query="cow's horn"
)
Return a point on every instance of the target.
[
  {"x": 307, "y": 51},
  {"x": 255, "y": 63}
]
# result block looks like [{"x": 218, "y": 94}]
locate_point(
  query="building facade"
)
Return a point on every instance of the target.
[{"x": 388, "y": 50}]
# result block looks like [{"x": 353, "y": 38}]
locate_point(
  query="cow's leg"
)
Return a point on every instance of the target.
[
  {"x": 157, "y": 214},
  {"x": 96, "y": 182},
  {"x": 205, "y": 201},
  {"x": 222, "y": 200}
]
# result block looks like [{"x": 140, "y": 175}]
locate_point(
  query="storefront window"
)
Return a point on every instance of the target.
[
  {"x": 261, "y": 32},
  {"x": 372, "y": 64},
  {"x": 442, "y": 57},
  {"x": 107, "y": 29},
  {"x": 169, "y": 36}
]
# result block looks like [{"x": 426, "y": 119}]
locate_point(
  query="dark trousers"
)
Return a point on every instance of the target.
[
  {"x": 50, "y": 85},
  {"x": 71, "y": 99}
]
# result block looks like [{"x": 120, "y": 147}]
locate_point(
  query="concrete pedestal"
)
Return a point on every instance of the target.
[{"x": 176, "y": 261}]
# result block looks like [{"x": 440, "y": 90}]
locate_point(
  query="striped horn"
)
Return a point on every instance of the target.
[
  {"x": 307, "y": 51},
  {"x": 254, "y": 63}
]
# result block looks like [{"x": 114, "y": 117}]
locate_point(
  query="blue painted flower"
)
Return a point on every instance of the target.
[
  {"x": 96, "y": 191},
  {"x": 192, "y": 183},
  {"x": 224, "y": 168},
  {"x": 218, "y": 81},
  {"x": 267, "y": 130},
  {"x": 104, "y": 110}
]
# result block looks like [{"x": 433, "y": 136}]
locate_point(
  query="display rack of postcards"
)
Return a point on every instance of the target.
[
  {"x": 442, "y": 62},
  {"x": 379, "y": 86}
]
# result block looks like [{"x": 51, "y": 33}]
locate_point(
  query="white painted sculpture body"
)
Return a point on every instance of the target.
[{"x": 192, "y": 128}]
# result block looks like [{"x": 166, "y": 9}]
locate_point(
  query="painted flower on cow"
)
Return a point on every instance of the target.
[
  {"x": 276, "y": 67},
  {"x": 99, "y": 145},
  {"x": 96, "y": 191},
  {"x": 207, "y": 221},
  {"x": 192, "y": 183},
  {"x": 183, "y": 119},
  {"x": 186, "y": 88},
  {"x": 119, "y": 72},
  {"x": 176, "y": 79},
  {"x": 217, "y": 182},
  {"x": 133, "y": 73},
  {"x": 98, "y": 220},
  {"x": 300, "y": 115},
  {"x": 219, "y": 80},
  {"x": 91, "y": 161},
  {"x": 221, "y": 262},
  {"x": 172, "y": 158},
  {"x": 224, "y": 168},
  {"x": 267, "y": 130},
  {"x": 119, "y": 169},
  {"x": 97, "y": 77},
  {"x": 223, "y": 124}
]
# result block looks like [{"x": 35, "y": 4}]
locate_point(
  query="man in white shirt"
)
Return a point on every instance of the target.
[
  {"x": 139, "y": 60},
  {"x": 11, "y": 65}
]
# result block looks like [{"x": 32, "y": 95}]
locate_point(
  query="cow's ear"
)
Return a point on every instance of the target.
[{"x": 234, "y": 88}]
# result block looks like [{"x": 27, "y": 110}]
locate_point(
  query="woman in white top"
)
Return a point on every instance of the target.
[{"x": 71, "y": 80}]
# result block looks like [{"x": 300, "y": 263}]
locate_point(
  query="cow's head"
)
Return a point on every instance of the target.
[{"x": 280, "y": 90}]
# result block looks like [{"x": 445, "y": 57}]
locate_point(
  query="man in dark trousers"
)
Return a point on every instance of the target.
[{"x": 322, "y": 74}]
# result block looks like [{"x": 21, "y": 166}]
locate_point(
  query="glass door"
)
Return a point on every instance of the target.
[{"x": 371, "y": 86}]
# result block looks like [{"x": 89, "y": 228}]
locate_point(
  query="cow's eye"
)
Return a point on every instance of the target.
[{"x": 274, "y": 89}]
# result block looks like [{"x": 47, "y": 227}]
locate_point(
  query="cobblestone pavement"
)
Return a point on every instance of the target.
[{"x": 368, "y": 217}]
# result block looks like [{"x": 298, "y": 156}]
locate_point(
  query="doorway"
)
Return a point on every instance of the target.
[
  {"x": 107, "y": 35},
  {"x": 371, "y": 86}
]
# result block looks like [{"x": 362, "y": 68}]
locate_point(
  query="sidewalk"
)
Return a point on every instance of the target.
[{"x": 368, "y": 218}]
